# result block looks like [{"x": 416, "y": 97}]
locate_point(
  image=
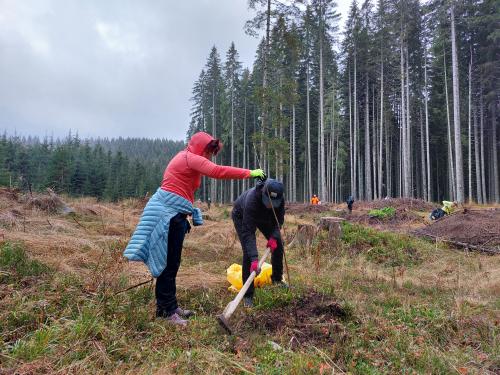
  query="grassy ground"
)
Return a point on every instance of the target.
[{"x": 373, "y": 302}]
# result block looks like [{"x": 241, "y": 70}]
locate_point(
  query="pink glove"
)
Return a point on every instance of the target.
[
  {"x": 272, "y": 244},
  {"x": 254, "y": 266}
]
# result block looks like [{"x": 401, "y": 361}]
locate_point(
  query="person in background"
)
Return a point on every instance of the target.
[
  {"x": 314, "y": 200},
  {"x": 261, "y": 207},
  {"x": 350, "y": 202},
  {"x": 447, "y": 209},
  {"x": 158, "y": 238}
]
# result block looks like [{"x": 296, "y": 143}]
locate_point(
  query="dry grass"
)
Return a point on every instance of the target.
[{"x": 414, "y": 306}]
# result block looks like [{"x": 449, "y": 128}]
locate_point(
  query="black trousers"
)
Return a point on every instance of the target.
[
  {"x": 165, "y": 291},
  {"x": 276, "y": 258}
]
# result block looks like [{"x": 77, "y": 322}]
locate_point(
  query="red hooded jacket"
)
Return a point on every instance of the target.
[{"x": 183, "y": 174}]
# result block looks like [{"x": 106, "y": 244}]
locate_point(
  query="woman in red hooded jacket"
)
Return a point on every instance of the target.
[{"x": 183, "y": 177}]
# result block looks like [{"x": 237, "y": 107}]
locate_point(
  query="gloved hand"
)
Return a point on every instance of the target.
[
  {"x": 272, "y": 244},
  {"x": 254, "y": 266},
  {"x": 258, "y": 173}
]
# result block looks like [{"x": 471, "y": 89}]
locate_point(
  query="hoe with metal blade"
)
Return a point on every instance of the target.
[{"x": 231, "y": 306}]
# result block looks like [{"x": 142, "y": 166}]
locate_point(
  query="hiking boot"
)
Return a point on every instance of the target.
[
  {"x": 177, "y": 320},
  {"x": 248, "y": 302},
  {"x": 184, "y": 313}
]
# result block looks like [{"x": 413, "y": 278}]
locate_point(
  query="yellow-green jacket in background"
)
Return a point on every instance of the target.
[{"x": 448, "y": 207}]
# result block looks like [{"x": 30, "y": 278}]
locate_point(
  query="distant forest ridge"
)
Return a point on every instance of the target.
[{"x": 105, "y": 168}]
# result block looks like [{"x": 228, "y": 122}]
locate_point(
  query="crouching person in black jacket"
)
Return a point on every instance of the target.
[{"x": 254, "y": 210}]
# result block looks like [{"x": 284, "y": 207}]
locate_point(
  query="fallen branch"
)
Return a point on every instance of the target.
[
  {"x": 491, "y": 239},
  {"x": 135, "y": 286},
  {"x": 76, "y": 221},
  {"x": 467, "y": 246}
]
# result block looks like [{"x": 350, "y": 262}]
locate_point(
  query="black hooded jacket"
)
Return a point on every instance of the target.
[{"x": 250, "y": 214}]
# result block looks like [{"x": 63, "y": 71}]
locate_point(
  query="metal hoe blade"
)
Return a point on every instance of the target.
[{"x": 224, "y": 324}]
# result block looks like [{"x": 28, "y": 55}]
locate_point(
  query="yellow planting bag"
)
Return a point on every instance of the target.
[{"x": 235, "y": 278}]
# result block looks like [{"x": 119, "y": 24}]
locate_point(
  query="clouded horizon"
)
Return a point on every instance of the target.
[{"x": 110, "y": 68}]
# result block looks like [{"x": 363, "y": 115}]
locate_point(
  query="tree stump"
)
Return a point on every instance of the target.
[
  {"x": 332, "y": 225},
  {"x": 304, "y": 236}
]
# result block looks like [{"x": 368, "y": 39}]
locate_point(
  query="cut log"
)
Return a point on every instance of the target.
[
  {"x": 304, "y": 236},
  {"x": 332, "y": 225}
]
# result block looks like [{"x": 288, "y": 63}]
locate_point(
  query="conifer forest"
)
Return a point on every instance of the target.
[{"x": 402, "y": 103}]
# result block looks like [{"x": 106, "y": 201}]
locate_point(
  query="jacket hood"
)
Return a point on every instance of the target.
[{"x": 198, "y": 142}]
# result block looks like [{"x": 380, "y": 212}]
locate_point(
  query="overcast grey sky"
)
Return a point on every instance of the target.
[{"x": 111, "y": 68}]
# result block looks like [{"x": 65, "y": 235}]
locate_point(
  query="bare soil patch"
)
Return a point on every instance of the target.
[
  {"x": 312, "y": 318},
  {"x": 473, "y": 227},
  {"x": 305, "y": 208},
  {"x": 398, "y": 203},
  {"x": 401, "y": 217}
]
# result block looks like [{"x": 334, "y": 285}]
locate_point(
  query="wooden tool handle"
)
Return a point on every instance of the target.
[{"x": 231, "y": 306}]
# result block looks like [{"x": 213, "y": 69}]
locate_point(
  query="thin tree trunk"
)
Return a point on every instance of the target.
[
  {"x": 355, "y": 128},
  {"x": 388, "y": 163},
  {"x": 308, "y": 129},
  {"x": 494, "y": 144},
  {"x": 332, "y": 149},
  {"x": 289, "y": 183},
  {"x": 322, "y": 175},
  {"x": 408, "y": 147},
  {"x": 329, "y": 157},
  {"x": 276, "y": 156},
  {"x": 336, "y": 170},
  {"x": 450, "y": 147},
  {"x": 351, "y": 143},
  {"x": 404, "y": 162},
  {"x": 381, "y": 130},
  {"x": 374, "y": 146},
  {"x": 470, "y": 128},
  {"x": 318, "y": 158},
  {"x": 479, "y": 192},
  {"x": 422, "y": 157},
  {"x": 294, "y": 165},
  {"x": 456, "y": 113},
  {"x": 279, "y": 157},
  {"x": 245, "y": 165},
  {"x": 438, "y": 189},
  {"x": 290, "y": 165},
  {"x": 491, "y": 184},
  {"x": 481, "y": 111},
  {"x": 368, "y": 177},
  {"x": 231, "y": 193},
  {"x": 361, "y": 188},
  {"x": 304, "y": 192},
  {"x": 400, "y": 153},
  {"x": 429, "y": 190}
]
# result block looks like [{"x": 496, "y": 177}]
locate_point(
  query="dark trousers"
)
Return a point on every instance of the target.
[
  {"x": 276, "y": 261},
  {"x": 437, "y": 214},
  {"x": 166, "y": 301}
]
